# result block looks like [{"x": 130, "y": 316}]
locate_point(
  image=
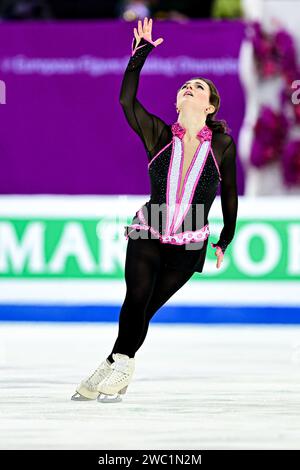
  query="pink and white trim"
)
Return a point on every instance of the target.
[
  {"x": 175, "y": 169},
  {"x": 176, "y": 239},
  {"x": 212, "y": 152},
  {"x": 178, "y": 207},
  {"x": 190, "y": 182}
]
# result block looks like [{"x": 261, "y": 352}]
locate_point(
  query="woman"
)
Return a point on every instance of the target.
[{"x": 168, "y": 236}]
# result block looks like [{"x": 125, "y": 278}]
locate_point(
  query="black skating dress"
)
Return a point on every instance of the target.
[{"x": 179, "y": 225}]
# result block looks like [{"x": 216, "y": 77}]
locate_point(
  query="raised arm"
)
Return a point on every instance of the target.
[
  {"x": 229, "y": 196},
  {"x": 148, "y": 126}
]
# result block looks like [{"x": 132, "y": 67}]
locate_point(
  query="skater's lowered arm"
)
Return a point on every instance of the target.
[{"x": 229, "y": 195}]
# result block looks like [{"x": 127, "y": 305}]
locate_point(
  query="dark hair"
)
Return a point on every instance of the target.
[{"x": 214, "y": 99}]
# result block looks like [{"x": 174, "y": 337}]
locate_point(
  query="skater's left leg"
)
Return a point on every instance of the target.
[
  {"x": 142, "y": 266},
  {"x": 169, "y": 281}
]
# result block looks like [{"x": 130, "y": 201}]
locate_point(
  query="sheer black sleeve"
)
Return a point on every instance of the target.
[
  {"x": 148, "y": 126},
  {"x": 229, "y": 195}
]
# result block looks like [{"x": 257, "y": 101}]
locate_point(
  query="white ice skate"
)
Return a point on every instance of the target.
[
  {"x": 87, "y": 389},
  {"x": 116, "y": 383}
]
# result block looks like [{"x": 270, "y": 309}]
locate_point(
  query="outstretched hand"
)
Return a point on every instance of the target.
[
  {"x": 219, "y": 253},
  {"x": 145, "y": 31}
]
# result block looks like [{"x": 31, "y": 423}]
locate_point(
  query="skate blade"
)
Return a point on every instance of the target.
[
  {"x": 86, "y": 393},
  {"x": 102, "y": 398},
  {"x": 114, "y": 398},
  {"x": 78, "y": 397}
]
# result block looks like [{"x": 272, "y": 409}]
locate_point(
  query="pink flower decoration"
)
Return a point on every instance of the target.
[
  {"x": 296, "y": 108},
  {"x": 204, "y": 134},
  {"x": 269, "y": 134},
  {"x": 291, "y": 163},
  {"x": 178, "y": 130}
]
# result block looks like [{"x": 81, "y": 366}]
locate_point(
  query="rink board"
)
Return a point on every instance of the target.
[{"x": 62, "y": 259}]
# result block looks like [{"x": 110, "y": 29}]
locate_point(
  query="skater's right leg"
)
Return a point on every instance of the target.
[{"x": 169, "y": 281}]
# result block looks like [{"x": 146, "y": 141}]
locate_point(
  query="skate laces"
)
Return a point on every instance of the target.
[
  {"x": 121, "y": 366},
  {"x": 96, "y": 375}
]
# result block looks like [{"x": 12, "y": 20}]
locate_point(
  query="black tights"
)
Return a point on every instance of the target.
[{"x": 149, "y": 285}]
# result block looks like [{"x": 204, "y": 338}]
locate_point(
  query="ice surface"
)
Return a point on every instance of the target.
[{"x": 194, "y": 387}]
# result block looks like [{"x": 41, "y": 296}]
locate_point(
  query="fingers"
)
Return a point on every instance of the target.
[
  {"x": 145, "y": 27},
  {"x": 219, "y": 255},
  {"x": 144, "y": 30},
  {"x": 140, "y": 29},
  {"x": 136, "y": 34},
  {"x": 147, "y": 24},
  {"x": 158, "y": 41}
]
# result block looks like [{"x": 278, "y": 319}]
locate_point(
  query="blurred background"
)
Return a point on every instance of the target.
[
  {"x": 73, "y": 173},
  {"x": 221, "y": 358}
]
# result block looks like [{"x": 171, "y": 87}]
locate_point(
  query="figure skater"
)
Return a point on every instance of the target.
[{"x": 167, "y": 239}]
